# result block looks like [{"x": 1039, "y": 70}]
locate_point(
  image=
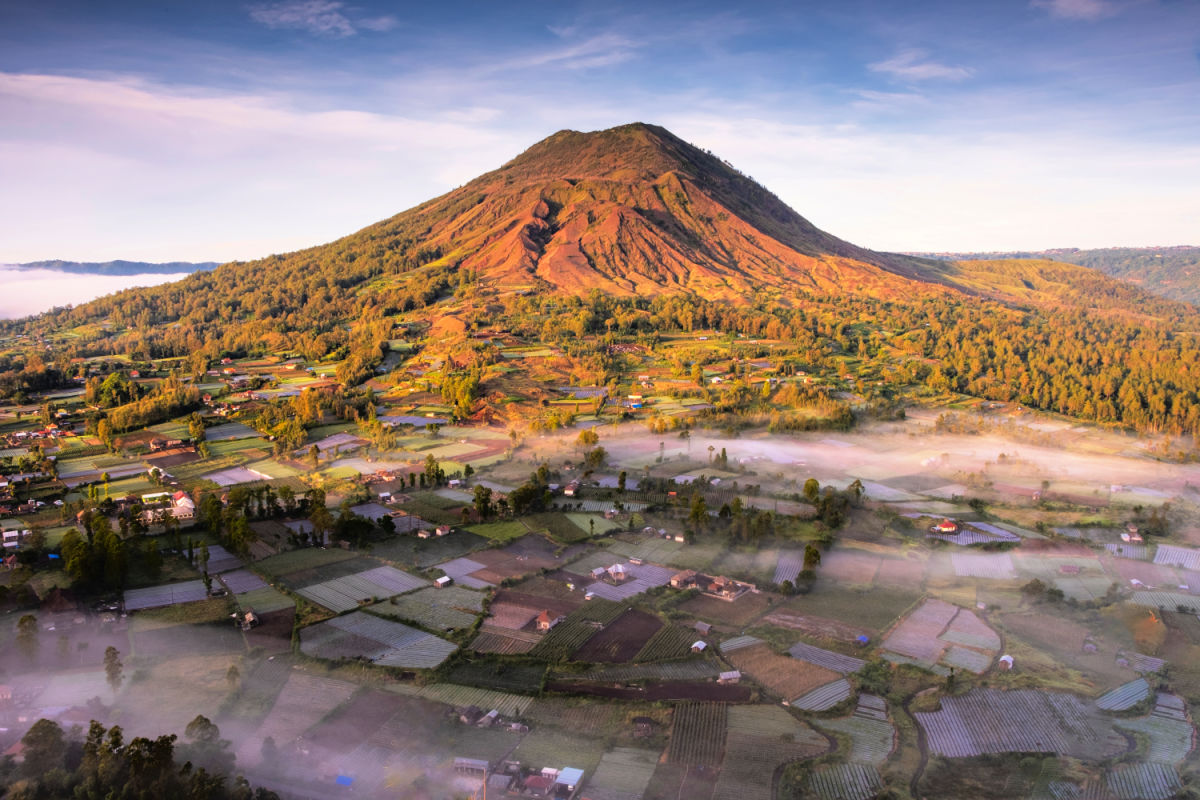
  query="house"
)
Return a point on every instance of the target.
[
  {"x": 538, "y": 785},
  {"x": 488, "y": 719},
  {"x": 617, "y": 573},
  {"x": 699, "y": 646},
  {"x": 471, "y": 766},
  {"x": 599, "y": 572},
  {"x": 442, "y": 530},
  {"x": 568, "y": 778},
  {"x": 572, "y": 489},
  {"x": 946, "y": 526},
  {"x": 733, "y": 676},
  {"x": 1005, "y": 663},
  {"x": 684, "y": 580},
  {"x": 546, "y": 621},
  {"x": 702, "y": 628},
  {"x": 443, "y": 582}
]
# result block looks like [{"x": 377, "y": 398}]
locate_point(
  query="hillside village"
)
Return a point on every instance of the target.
[{"x": 413, "y": 588}]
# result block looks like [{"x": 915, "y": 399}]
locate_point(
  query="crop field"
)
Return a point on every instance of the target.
[
  {"x": 789, "y": 565},
  {"x": 296, "y": 560},
  {"x": 581, "y": 625},
  {"x": 449, "y": 608},
  {"x": 623, "y": 773},
  {"x": 304, "y": 700},
  {"x": 361, "y": 635},
  {"x": 870, "y": 732},
  {"x": 1151, "y": 781},
  {"x": 873, "y": 610},
  {"x": 670, "y": 642},
  {"x": 499, "y": 676},
  {"x": 696, "y": 669},
  {"x": 580, "y": 716},
  {"x": 654, "y": 549},
  {"x": 826, "y": 658},
  {"x": 500, "y": 531},
  {"x": 461, "y": 570},
  {"x": 938, "y": 632},
  {"x": 1170, "y": 735},
  {"x": 459, "y": 696},
  {"x": 424, "y": 553},
  {"x": 825, "y": 697},
  {"x": 264, "y": 600},
  {"x": 166, "y": 595},
  {"x": 698, "y": 733},
  {"x": 738, "y": 614},
  {"x": 761, "y": 739},
  {"x": 783, "y": 676},
  {"x": 817, "y": 627},
  {"x": 348, "y": 593},
  {"x": 997, "y": 566},
  {"x": 549, "y": 747},
  {"x": 353, "y": 723},
  {"x": 1019, "y": 721},
  {"x": 1124, "y": 697},
  {"x": 682, "y": 780},
  {"x": 853, "y": 781},
  {"x": 504, "y": 642},
  {"x": 623, "y": 639},
  {"x": 850, "y": 567},
  {"x": 560, "y": 526}
]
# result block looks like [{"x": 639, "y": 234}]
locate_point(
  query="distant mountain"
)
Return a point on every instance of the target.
[
  {"x": 119, "y": 267},
  {"x": 1172, "y": 272}
]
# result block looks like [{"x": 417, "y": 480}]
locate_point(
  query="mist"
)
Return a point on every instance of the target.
[{"x": 32, "y": 291}]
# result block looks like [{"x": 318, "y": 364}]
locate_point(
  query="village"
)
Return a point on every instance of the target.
[{"x": 611, "y": 603}]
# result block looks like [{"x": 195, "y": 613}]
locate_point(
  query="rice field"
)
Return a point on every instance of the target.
[
  {"x": 692, "y": 670},
  {"x": 824, "y": 697},
  {"x": 828, "y": 659},
  {"x": 670, "y": 642},
  {"x": 296, "y": 560},
  {"x": 550, "y": 747},
  {"x": 166, "y": 595}
]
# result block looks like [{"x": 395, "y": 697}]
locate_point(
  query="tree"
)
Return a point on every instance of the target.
[
  {"x": 27, "y": 636},
  {"x": 812, "y": 490},
  {"x": 483, "y": 501},
  {"x": 113, "y": 668},
  {"x": 44, "y": 746},
  {"x": 204, "y": 567},
  {"x": 196, "y": 428},
  {"x": 595, "y": 457},
  {"x": 698, "y": 515},
  {"x": 314, "y": 456},
  {"x": 206, "y": 749},
  {"x": 587, "y": 438},
  {"x": 621, "y": 482},
  {"x": 812, "y": 556},
  {"x": 232, "y": 676}
]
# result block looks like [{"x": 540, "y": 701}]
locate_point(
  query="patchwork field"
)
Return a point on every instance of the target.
[
  {"x": 698, "y": 733},
  {"x": 760, "y": 739},
  {"x": 938, "y": 635},
  {"x": 379, "y": 641},
  {"x": 783, "y": 676},
  {"x": 449, "y": 608}
]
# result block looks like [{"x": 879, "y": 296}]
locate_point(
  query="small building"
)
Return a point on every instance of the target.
[
  {"x": 617, "y": 573},
  {"x": 1005, "y": 663},
  {"x": 683, "y": 580},
  {"x": 702, "y": 628},
  {"x": 443, "y": 582},
  {"x": 699, "y": 646},
  {"x": 733, "y": 676},
  {"x": 499, "y": 782},
  {"x": 538, "y": 785},
  {"x": 568, "y": 778},
  {"x": 442, "y": 530},
  {"x": 471, "y": 766},
  {"x": 546, "y": 621},
  {"x": 488, "y": 719},
  {"x": 946, "y": 526},
  {"x": 424, "y": 533},
  {"x": 599, "y": 572}
]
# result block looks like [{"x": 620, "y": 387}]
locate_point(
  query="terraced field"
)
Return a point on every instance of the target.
[
  {"x": 845, "y": 782},
  {"x": 622, "y": 774},
  {"x": 380, "y": 641},
  {"x": 460, "y": 696},
  {"x": 581, "y": 625},
  {"x": 871, "y": 733},
  {"x": 1170, "y": 734},
  {"x": 1124, "y": 697},
  {"x": 669, "y": 643},
  {"x": 784, "y": 676}
]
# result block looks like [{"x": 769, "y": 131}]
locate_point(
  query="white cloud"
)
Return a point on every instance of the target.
[
  {"x": 379, "y": 24},
  {"x": 322, "y": 17},
  {"x": 1076, "y": 9},
  {"x": 914, "y": 65}
]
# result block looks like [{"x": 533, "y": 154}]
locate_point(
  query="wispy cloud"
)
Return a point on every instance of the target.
[
  {"x": 915, "y": 65},
  {"x": 1076, "y": 9},
  {"x": 321, "y": 17}
]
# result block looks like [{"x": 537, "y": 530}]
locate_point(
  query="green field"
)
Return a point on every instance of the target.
[{"x": 500, "y": 531}]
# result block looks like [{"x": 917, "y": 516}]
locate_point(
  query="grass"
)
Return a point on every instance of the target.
[
  {"x": 296, "y": 560},
  {"x": 500, "y": 531},
  {"x": 214, "y": 609},
  {"x": 547, "y": 747}
]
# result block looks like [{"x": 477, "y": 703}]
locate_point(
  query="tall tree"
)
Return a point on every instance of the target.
[{"x": 113, "y": 668}]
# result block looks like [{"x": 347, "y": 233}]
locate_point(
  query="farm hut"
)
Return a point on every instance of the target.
[
  {"x": 617, "y": 573},
  {"x": 702, "y": 628},
  {"x": 442, "y": 530},
  {"x": 424, "y": 533},
  {"x": 733, "y": 676},
  {"x": 443, "y": 582},
  {"x": 499, "y": 782},
  {"x": 538, "y": 785},
  {"x": 679, "y": 537},
  {"x": 599, "y": 572},
  {"x": 946, "y": 526},
  {"x": 488, "y": 719},
  {"x": 1005, "y": 664},
  {"x": 699, "y": 646},
  {"x": 683, "y": 580},
  {"x": 470, "y": 715},
  {"x": 644, "y": 726},
  {"x": 569, "y": 778},
  {"x": 546, "y": 621},
  {"x": 470, "y": 766}
]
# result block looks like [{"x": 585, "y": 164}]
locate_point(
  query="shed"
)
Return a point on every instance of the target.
[
  {"x": 499, "y": 782},
  {"x": 702, "y": 628},
  {"x": 539, "y": 785},
  {"x": 698, "y": 646},
  {"x": 570, "y": 777},
  {"x": 488, "y": 719},
  {"x": 1005, "y": 664},
  {"x": 442, "y": 530},
  {"x": 946, "y": 526},
  {"x": 471, "y": 765},
  {"x": 733, "y": 676},
  {"x": 443, "y": 581}
]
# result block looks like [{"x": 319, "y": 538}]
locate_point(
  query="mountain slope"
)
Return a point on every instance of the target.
[{"x": 635, "y": 210}]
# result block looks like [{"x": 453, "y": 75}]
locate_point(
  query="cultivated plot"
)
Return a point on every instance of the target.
[
  {"x": 349, "y": 592},
  {"x": 380, "y": 641},
  {"x": 760, "y": 739},
  {"x": 166, "y": 595}
]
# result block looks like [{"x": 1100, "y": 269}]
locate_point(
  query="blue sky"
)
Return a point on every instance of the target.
[{"x": 220, "y": 130}]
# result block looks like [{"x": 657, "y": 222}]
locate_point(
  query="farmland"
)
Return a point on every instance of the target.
[
  {"x": 623, "y": 639},
  {"x": 761, "y": 739},
  {"x": 698, "y": 733},
  {"x": 785, "y": 677}
]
